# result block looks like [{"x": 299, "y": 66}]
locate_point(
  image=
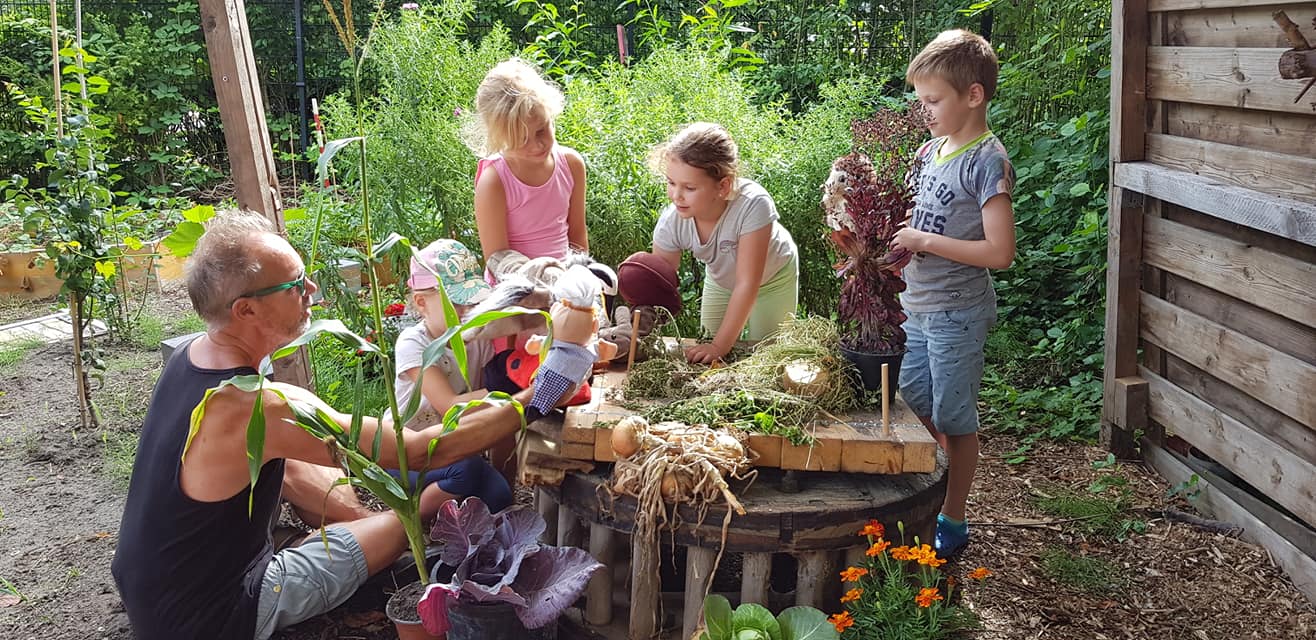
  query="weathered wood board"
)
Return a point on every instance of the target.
[{"x": 856, "y": 444}]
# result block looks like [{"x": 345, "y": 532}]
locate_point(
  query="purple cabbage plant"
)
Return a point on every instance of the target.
[
  {"x": 498, "y": 559},
  {"x": 867, "y": 197}
]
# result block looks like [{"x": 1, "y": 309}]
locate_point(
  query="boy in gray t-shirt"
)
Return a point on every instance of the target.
[{"x": 961, "y": 226}]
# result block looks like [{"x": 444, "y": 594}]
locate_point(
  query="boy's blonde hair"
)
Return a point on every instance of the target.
[
  {"x": 959, "y": 57},
  {"x": 510, "y": 95},
  {"x": 702, "y": 145}
]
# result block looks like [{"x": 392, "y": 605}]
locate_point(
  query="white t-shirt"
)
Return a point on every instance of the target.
[
  {"x": 751, "y": 210},
  {"x": 410, "y": 351}
]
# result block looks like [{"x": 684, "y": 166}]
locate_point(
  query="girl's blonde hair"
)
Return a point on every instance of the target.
[
  {"x": 702, "y": 145},
  {"x": 511, "y": 94}
]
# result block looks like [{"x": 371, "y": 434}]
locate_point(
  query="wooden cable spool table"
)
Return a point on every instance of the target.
[{"x": 817, "y": 525}]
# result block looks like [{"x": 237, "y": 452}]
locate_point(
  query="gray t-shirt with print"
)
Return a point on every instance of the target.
[
  {"x": 948, "y": 200},
  {"x": 751, "y": 210},
  {"x": 410, "y": 352}
]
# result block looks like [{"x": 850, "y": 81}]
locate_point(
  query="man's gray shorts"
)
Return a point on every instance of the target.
[{"x": 305, "y": 581}]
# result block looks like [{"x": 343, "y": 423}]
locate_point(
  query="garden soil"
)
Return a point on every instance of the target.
[{"x": 62, "y": 490}]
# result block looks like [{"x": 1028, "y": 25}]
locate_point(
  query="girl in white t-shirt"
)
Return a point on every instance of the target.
[{"x": 730, "y": 224}]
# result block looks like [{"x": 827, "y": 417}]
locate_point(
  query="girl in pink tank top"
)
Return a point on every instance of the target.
[{"x": 533, "y": 202}]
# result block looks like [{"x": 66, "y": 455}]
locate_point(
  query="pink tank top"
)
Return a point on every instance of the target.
[{"x": 536, "y": 215}]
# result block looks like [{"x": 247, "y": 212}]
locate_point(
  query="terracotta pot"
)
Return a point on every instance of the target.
[{"x": 401, "y": 610}]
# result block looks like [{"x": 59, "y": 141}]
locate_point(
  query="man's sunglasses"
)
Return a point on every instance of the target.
[{"x": 299, "y": 284}]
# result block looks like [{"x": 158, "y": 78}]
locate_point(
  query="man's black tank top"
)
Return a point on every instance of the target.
[{"x": 189, "y": 569}]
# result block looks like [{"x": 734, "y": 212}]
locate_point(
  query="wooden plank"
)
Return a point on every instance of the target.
[
  {"x": 1269, "y": 328},
  {"x": 1285, "y": 431},
  {"x": 1124, "y": 249},
  {"x": 1300, "y": 567},
  {"x": 919, "y": 448},
  {"x": 865, "y": 450},
  {"x": 1268, "y": 280},
  {"x": 598, "y": 594},
  {"x": 766, "y": 448},
  {"x": 698, "y": 573},
  {"x": 1285, "y": 217},
  {"x": 1271, "y": 376},
  {"x": 1274, "y": 470},
  {"x": 1263, "y": 130},
  {"x": 755, "y": 577},
  {"x": 1231, "y": 26},
  {"x": 1247, "y": 235},
  {"x": 1283, "y": 523},
  {"x": 1277, "y": 174},
  {"x": 1183, "y": 5},
  {"x": 1128, "y": 82},
  {"x": 1230, "y": 77},
  {"x": 815, "y": 572},
  {"x": 823, "y": 455},
  {"x": 644, "y": 588}
]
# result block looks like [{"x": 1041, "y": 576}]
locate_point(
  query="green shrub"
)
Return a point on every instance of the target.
[{"x": 427, "y": 75}]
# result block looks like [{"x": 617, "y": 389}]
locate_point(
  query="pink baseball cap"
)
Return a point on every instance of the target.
[{"x": 458, "y": 269}]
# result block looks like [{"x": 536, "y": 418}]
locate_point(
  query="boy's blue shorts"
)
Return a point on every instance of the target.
[{"x": 942, "y": 369}]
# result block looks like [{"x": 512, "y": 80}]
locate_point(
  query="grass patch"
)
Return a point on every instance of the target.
[
  {"x": 119, "y": 451},
  {"x": 12, "y": 353},
  {"x": 1105, "y": 509},
  {"x": 151, "y": 329},
  {"x": 1089, "y": 575},
  {"x": 334, "y": 367}
]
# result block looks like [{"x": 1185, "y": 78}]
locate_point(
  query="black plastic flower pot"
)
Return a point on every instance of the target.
[
  {"x": 494, "y": 621},
  {"x": 869, "y": 369}
]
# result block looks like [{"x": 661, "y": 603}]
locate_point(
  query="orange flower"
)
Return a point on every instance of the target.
[
  {"x": 929, "y": 558},
  {"x": 980, "y": 573},
  {"x": 852, "y": 595},
  {"x": 903, "y": 553},
  {"x": 877, "y": 548},
  {"x": 841, "y": 621},
  {"x": 927, "y": 596},
  {"x": 853, "y": 574},
  {"x": 873, "y": 528}
]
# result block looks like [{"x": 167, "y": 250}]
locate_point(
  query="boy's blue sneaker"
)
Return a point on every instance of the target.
[{"x": 951, "y": 537}]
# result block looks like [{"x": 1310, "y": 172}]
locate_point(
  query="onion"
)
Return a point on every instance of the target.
[{"x": 625, "y": 437}]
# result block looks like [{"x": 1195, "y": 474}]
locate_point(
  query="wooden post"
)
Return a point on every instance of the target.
[
  {"x": 242, "y": 112},
  {"x": 1128, "y": 109},
  {"x": 598, "y": 595},
  {"x": 570, "y": 532},
  {"x": 755, "y": 577},
  {"x": 548, "y": 509},
  {"x": 814, "y": 573},
  {"x": 644, "y": 588},
  {"x": 698, "y": 574}
]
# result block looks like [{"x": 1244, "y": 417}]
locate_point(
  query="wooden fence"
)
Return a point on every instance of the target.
[{"x": 1211, "y": 300}]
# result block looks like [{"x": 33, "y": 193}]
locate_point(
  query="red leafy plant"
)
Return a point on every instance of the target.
[
  {"x": 866, "y": 199},
  {"x": 498, "y": 559}
]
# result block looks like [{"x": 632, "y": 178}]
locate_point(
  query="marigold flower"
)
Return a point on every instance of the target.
[
  {"x": 980, "y": 573},
  {"x": 951, "y": 581},
  {"x": 853, "y": 574},
  {"x": 930, "y": 559},
  {"x": 852, "y": 595},
  {"x": 903, "y": 553},
  {"x": 873, "y": 528},
  {"x": 877, "y": 548},
  {"x": 841, "y": 621},
  {"x": 927, "y": 596}
]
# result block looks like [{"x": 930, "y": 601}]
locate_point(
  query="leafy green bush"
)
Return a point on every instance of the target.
[{"x": 427, "y": 76}]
